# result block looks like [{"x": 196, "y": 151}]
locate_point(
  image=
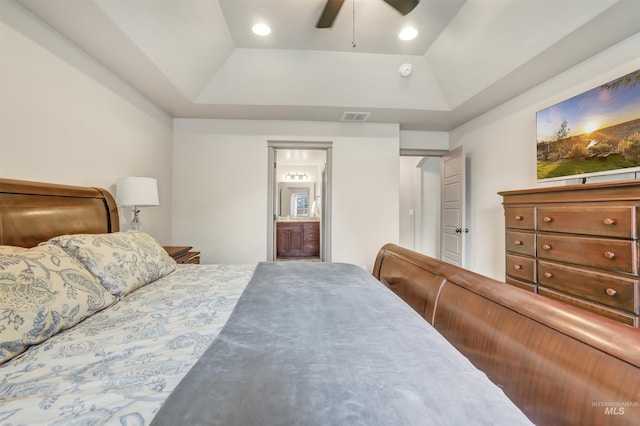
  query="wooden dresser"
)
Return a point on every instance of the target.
[{"x": 577, "y": 244}]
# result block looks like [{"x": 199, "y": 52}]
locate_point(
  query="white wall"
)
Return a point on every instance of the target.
[
  {"x": 220, "y": 176},
  {"x": 500, "y": 146},
  {"x": 428, "y": 221},
  {"x": 64, "y": 118},
  {"x": 408, "y": 200},
  {"x": 413, "y": 139}
]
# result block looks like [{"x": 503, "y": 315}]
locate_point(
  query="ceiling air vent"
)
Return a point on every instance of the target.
[{"x": 359, "y": 117}]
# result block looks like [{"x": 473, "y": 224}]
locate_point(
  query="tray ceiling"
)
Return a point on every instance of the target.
[{"x": 199, "y": 58}]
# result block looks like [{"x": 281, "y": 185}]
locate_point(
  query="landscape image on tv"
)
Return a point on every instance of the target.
[{"x": 596, "y": 132}]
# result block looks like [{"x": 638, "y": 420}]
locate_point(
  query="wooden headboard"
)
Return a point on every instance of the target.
[{"x": 32, "y": 212}]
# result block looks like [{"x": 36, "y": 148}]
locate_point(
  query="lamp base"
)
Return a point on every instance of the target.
[{"x": 135, "y": 223}]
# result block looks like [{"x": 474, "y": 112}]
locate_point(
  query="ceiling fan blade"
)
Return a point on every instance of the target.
[
  {"x": 403, "y": 6},
  {"x": 329, "y": 13}
]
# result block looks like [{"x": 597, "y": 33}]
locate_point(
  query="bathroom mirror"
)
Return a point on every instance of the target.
[{"x": 295, "y": 199}]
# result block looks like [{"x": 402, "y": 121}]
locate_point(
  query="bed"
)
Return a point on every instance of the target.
[
  {"x": 560, "y": 364},
  {"x": 99, "y": 326},
  {"x": 102, "y": 327}
]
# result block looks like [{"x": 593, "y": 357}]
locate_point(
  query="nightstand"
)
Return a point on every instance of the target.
[
  {"x": 194, "y": 257},
  {"x": 182, "y": 254}
]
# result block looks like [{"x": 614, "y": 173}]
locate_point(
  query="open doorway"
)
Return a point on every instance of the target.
[
  {"x": 299, "y": 206},
  {"x": 433, "y": 204},
  {"x": 420, "y": 204}
]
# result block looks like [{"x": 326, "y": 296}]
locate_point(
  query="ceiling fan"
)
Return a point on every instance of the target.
[{"x": 332, "y": 8}]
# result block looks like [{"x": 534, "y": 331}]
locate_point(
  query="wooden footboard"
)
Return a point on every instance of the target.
[{"x": 559, "y": 364}]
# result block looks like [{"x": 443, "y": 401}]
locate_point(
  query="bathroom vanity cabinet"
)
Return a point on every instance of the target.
[{"x": 297, "y": 238}]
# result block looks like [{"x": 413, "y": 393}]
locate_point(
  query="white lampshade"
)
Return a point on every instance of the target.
[{"x": 137, "y": 191}]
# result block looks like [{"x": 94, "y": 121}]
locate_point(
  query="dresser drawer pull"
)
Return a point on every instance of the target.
[
  {"x": 517, "y": 242},
  {"x": 609, "y": 254},
  {"x": 548, "y": 275},
  {"x": 518, "y": 217},
  {"x": 517, "y": 267},
  {"x": 546, "y": 247},
  {"x": 609, "y": 221},
  {"x": 610, "y": 292},
  {"x": 547, "y": 219}
]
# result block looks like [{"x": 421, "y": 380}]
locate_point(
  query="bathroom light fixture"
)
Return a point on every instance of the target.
[
  {"x": 137, "y": 192},
  {"x": 261, "y": 29},
  {"x": 408, "y": 33},
  {"x": 296, "y": 176}
]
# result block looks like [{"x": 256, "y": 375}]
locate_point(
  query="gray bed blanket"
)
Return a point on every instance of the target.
[{"x": 327, "y": 344}]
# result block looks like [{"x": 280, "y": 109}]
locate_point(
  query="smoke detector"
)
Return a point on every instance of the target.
[{"x": 405, "y": 70}]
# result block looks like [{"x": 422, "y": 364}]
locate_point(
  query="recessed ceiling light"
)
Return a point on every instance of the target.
[
  {"x": 261, "y": 29},
  {"x": 408, "y": 33}
]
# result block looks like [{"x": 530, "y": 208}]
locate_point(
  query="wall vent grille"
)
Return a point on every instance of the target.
[{"x": 359, "y": 117}]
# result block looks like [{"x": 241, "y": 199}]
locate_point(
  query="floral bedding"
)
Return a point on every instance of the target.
[
  {"x": 43, "y": 290},
  {"x": 120, "y": 364}
]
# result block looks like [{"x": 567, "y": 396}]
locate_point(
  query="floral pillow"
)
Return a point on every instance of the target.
[
  {"x": 122, "y": 261},
  {"x": 43, "y": 290}
]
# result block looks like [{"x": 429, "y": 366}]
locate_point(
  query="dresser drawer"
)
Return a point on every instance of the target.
[
  {"x": 522, "y": 284},
  {"x": 614, "y": 314},
  {"x": 519, "y": 217},
  {"x": 607, "y": 221},
  {"x": 521, "y": 242},
  {"x": 602, "y": 253},
  {"x": 521, "y": 267},
  {"x": 608, "y": 289}
]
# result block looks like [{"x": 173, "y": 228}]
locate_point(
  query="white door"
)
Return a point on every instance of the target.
[{"x": 452, "y": 216}]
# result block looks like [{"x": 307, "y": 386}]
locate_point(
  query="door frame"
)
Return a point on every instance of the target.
[{"x": 325, "y": 217}]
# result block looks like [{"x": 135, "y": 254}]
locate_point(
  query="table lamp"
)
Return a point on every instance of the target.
[{"x": 137, "y": 192}]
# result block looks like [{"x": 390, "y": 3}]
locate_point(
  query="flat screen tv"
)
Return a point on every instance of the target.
[{"x": 594, "y": 133}]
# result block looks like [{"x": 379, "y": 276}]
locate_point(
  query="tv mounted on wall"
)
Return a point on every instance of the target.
[{"x": 594, "y": 133}]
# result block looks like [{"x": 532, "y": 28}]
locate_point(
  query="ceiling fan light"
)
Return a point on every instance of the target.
[
  {"x": 408, "y": 33},
  {"x": 261, "y": 29}
]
